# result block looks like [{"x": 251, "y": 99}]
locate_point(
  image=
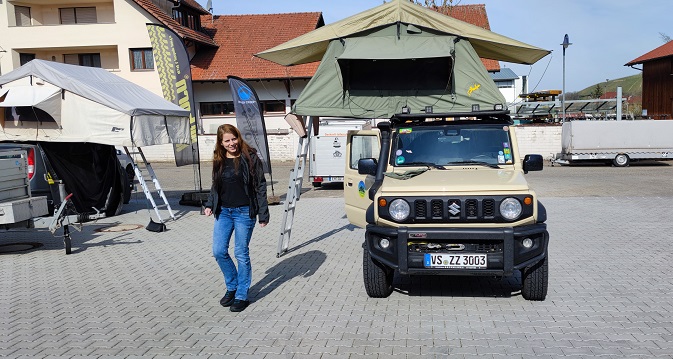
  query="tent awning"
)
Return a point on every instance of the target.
[
  {"x": 26, "y": 95},
  {"x": 311, "y": 47},
  {"x": 378, "y": 48}
]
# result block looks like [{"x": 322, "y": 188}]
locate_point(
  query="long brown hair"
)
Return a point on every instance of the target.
[{"x": 220, "y": 153}]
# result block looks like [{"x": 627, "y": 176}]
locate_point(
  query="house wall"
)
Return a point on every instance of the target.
[
  {"x": 544, "y": 140},
  {"x": 120, "y": 27}
]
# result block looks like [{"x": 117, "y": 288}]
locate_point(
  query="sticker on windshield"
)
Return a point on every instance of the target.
[
  {"x": 507, "y": 151},
  {"x": 398, "y": 153},
  {"x": 400, "y": 160},
  {"x": 505, "y": 128},
  {"x": 505, "y": 144},
  {"x": 501, "y": 158},
  {"x": 405, "y": 130}
]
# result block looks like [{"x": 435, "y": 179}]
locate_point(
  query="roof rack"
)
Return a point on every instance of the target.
[{"x": 500, "y": 116}]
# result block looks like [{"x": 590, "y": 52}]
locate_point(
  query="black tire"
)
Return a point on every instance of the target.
[
  {"x": 377, "y": 277},
  {"x": 535, "y": 280},
  {"x": 317, "y": 184},
  {"x": 621, "y": 160},
  {"x": 128, "y": 183}
]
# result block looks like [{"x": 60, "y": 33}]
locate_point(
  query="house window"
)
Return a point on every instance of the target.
[
  {"x": 78, "y": 15},
  {"x": 25, "y": 58},
  {"x": 216, "y": 108},
  {"x": 90, "y": 60},
  {"x": 22, "y": 14},
  {"x": 227, "y": 108},
  {"x": 508, "y": 84},
  {"x": 142, "y": 59},
  {"x": 273, "y": 106}
]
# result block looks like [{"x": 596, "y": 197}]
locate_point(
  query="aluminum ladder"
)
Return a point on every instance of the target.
[
  {"x": 143, "y": 183},
  {"x": 294, "y": 190}
]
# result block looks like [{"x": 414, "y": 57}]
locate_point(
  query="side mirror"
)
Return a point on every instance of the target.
[
  {"x": 532, "y": 163},
  {"x": 367, "y": 166}
]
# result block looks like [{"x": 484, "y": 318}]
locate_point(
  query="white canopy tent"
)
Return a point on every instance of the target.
[{"x": 85, "y": 104}]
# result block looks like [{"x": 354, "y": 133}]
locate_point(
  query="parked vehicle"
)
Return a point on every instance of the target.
[
  {"x": 17, "y": 204},
  {"x": 326, "y": 151},
  {"x": 446, "y": 197},
  {"x": 616, "y": 142}
]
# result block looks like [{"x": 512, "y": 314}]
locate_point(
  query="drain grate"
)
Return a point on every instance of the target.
[
  {"x": 120, "y": 228},
  {"x": 18, "y": 247}
]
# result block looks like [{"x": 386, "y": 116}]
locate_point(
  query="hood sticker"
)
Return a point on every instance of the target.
[{"x": 405, "y": 130}]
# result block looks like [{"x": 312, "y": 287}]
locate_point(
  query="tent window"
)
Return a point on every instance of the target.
[
  {"x": 142, "y": 59},
  {"x": 27, "y": 114},
  {"x": 22, "y": 14},
  {"x": 25, "y": 58},
  {"x": 90, "y": 60},
  {"x": 397, "y": 75},
  {"x": 78, "y": 15}
]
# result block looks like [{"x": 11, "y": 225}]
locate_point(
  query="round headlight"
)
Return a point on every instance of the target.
[
  {"x": 510, "y": 208},
  {"x": 399, "y": 209}
]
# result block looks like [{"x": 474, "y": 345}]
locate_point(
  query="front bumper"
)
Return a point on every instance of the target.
[{"x": 503, "y": 247}]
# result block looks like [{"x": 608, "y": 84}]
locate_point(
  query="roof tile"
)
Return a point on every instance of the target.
[
  {"x": 664, "y": 50},
  {"x": 241, "y": 36}
]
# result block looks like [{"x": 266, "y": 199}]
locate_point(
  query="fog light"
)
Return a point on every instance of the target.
[
  {"x": 527, "y": 242},
  {"x": 385, "y": 243}
]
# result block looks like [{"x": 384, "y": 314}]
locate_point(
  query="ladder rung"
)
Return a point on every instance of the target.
[{"x": 162, "y": 205}]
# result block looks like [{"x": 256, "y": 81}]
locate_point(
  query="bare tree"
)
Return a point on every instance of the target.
[{"x": 665, "y": 37}]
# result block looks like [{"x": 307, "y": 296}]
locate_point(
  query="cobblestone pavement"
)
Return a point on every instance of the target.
[{"x": 127, "y": 292}]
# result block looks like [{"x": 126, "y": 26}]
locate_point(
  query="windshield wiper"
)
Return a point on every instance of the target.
[
  {"x": 480, "y": 163},
  {"x": 427, "y": 164}
]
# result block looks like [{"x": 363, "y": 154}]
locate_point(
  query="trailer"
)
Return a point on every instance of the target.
[
  {"x": 616, "y": 142},
  {"x": 327, "y": 149},
  {"x": 17, "y": 206}
]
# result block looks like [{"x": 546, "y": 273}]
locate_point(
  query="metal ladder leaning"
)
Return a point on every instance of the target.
[
  {"x": 145, "y": 186},
  {"x": 294, "y": 190}
]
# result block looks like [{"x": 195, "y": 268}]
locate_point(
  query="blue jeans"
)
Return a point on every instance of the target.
[{"x": 237, "y": 221}]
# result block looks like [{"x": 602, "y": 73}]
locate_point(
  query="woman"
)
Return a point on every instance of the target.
[{"x": 237, "y": 196}]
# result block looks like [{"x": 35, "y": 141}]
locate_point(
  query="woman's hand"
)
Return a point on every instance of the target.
[{"x": 207, "y": 211}]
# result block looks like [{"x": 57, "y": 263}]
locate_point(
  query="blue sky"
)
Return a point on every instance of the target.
[{"x": 605, "y": 34}]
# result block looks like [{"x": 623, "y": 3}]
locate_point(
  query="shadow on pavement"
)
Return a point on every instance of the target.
[
  {"x": 300, "y": 265},
  {"x": 458, "y": 286}
]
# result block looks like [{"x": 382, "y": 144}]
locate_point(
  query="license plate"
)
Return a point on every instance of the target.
[
  {"x": 450, "y": 260},
  {"x": 335, "y": 179}
]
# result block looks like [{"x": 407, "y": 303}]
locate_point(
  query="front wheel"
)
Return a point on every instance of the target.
[
  {"x": 378, "y": 277},
  {"x": 621, "y": 160},
  {"x": 535, "y": 280}
]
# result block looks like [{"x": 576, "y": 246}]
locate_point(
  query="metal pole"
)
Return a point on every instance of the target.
[
  {"x": 563, "y": 94},
  {"x": 565, "y": 45}
]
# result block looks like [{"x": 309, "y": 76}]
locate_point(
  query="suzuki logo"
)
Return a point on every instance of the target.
[{"x": 454, "y": 208}]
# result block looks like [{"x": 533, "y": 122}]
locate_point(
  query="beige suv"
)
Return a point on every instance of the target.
[{"x": 445, "y": 194}]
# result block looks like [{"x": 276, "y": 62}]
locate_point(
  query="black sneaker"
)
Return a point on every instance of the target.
[
  {"x": 239, "y": 305},
  {"x": 228, "y": 298}
]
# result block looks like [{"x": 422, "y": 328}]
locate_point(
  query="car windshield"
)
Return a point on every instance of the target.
[{"x": 439, "y": 146}]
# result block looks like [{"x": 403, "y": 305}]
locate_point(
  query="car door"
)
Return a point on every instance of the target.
[{"x": 359, "y": 144}]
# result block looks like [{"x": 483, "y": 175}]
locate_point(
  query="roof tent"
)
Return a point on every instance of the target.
[
  {"x": 54, "y": 102},
  {"x": 399, "y": 57}
]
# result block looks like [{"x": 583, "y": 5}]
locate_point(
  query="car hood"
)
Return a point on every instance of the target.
[{"x": 458, "y": 180}]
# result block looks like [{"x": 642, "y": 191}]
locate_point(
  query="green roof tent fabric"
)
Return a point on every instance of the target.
[
  {"x": 310, "y": 47},
  {"x": 375, "y": 74},
  {"x": 395, "y": 55}
]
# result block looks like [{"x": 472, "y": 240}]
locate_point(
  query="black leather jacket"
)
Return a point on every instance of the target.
[{"x": 255, "y": 189}]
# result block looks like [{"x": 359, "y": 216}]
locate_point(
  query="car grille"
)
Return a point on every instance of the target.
[{"x": 459, "y": 209}]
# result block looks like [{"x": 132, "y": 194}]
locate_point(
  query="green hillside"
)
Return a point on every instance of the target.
[{"x": 631, "y": 86}]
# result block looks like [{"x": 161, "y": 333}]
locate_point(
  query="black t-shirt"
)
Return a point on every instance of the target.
[{"x": 232, "y": 190}]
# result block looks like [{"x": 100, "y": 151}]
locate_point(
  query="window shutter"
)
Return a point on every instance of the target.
[
  {"x": 22, "y": 14},
  {"x": 86, "y": 15},
  {"x": 67, "y": 15},
  {"x": 72, "y": 59}
]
